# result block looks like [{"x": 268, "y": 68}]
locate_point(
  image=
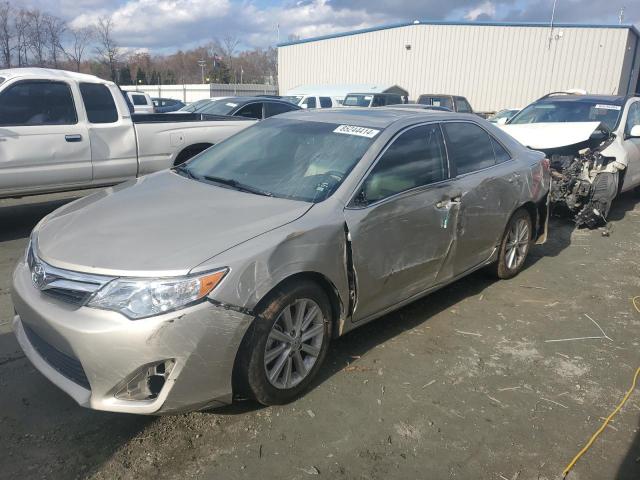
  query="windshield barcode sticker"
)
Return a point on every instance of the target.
[
  {"x": 605, "y": 106},
  {"x": 358, "y": 131}
]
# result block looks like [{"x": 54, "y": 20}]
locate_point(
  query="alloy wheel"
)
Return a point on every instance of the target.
[{"x": 517, "y": 244}]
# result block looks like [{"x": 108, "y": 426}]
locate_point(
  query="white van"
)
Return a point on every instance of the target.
[
  {"x": 141, "y": 102},
  {"x": 312, "y": 101}
]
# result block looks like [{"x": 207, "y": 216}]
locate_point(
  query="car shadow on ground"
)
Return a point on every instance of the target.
[
  {"x": 18, "y": 220},
  {"x": 630, "y": 467}
]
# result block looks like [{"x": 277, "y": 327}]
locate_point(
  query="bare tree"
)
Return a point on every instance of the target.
[
  {"x": 229, "y": 45},
  {"x": 6, "y": 33},
  {"x": 107, "y": 48},
  {"x": 80, "y": 38},
  {"x": 21, "y": 30},
  {"x": 37, "y": 36},
  {"x": 54, "y": 30}
]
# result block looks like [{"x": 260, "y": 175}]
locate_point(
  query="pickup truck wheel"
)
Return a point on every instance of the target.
[
  {"x": 515, "y": 245},
  {"x": 286, "y": 344}
]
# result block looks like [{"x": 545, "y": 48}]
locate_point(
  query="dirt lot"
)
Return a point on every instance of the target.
[{"x": 460, "y": 385}]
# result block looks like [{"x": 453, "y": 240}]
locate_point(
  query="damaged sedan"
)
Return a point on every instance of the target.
[
  {"x": 227, "y": 276},
  {"x": 593, "y": 144}
]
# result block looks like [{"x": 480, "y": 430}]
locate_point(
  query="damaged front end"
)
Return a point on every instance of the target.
[
  {"x": 584, "y": 179},
  {"x": 584, "y": 183}
]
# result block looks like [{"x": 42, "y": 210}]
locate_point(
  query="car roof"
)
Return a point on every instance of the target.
[
  {"x": 374, "y": 93},
  {"x": 241, "y": 100},
  {"x": 615, "y": 99},
  {"x": 381, "y": 117},
  {"x": 49, "y": 73}
]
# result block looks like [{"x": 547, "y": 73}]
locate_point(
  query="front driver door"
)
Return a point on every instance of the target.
[
  {"x": 43, "y": 143},
  {"x": 401, "y": 221}
]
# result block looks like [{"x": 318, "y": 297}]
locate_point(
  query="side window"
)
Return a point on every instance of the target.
[
  {"x": 393, "y": 100},
  {"x": 37, "y": 103},
  {"x": 417, "y": 157},
  {"x": 253, "y": 110},
  {"x": 500, "y": 153},
  {"x": 138, "y": 99},
  {"x": 463, "y": 106},
  {"x": 633, "y": 117},
  {"x": 98, "y": 102},
  {"x": 310, "y": 102},
  {"x": 378, "y": 101},
  {"x": 273, "y": 108},
  {"x": 469, "y": 147},
  {"x": 325, "y": 102}
]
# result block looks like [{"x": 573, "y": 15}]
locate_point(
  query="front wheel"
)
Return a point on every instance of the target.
[
  {"x": 286, "y": 344},
  {"x": 516, "y": 242}
]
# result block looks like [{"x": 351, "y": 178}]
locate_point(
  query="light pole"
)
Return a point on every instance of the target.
[{"x": 202, "y": 64}]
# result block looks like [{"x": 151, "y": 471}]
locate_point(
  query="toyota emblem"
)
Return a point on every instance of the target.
[{"x": 39, "y": 276}]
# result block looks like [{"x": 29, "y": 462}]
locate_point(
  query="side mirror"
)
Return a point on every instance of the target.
[
  {"x": 635, "y": 132},
  {"x": 502, "y": 121}
]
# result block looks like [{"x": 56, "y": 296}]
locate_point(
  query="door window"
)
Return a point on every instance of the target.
[
  {"x": 325, "y": 102},
  {"x": 633, "y": 117},
  {"x": 98, "y": 102},
  {"x": 469, "y": 147},
  {"x": 139, "y": 99},
  {"x": 310, "y": 102},
  {"x": 463, "y": 106},
  {"x": 274, "y": 108},
  {"x": 416, "y": 158},
  {"x": 37, "y": 103},
  {"x": 253, "y": 110}
]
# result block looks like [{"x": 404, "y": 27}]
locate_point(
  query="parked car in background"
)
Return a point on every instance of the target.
[
  {"x": 248, "y": 107},
  {"x": 372, "y": 99},
  {"x": 193, "y": 106},
  {"x": 420, "y": 107},
  {"x": 312, "y": 101},
  {"x": 290, "y": 233},
  {"x": 593, "y": 142},
  {"x": 64, "y": 130},
  {"x": 455, "y": 103},
  {"x": 503, "y": 116},
  {"x": 141, "y": 102},
  {"x": 166, "y": 105}
]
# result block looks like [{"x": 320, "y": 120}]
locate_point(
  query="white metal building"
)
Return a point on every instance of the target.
[{"x": 494, "y": 65}]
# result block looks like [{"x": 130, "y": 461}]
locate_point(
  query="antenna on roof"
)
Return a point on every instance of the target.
[{"x": 621, "y": 15}]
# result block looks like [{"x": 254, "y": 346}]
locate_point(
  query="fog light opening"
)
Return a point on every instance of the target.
[{"x": 147, "y": 382}]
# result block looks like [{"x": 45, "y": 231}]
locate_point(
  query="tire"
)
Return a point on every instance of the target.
[
  {"x": 511, "y": 261},
  {"x": 265, "y": 346}
]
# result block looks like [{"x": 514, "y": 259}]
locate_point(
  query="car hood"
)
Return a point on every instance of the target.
[
  {"x": 551, "y": 136},
  {"x": 161, "y": 224}
]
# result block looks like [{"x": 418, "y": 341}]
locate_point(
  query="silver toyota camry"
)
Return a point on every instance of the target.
[{"x": 229, "y": 275}]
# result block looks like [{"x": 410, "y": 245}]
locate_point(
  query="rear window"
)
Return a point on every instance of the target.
[
  {"x": 357, "y": 100},
  {"x": 436, "y": 101},
  {"x": 139, "y": 99},
  {"x": 98, "y": 102}
]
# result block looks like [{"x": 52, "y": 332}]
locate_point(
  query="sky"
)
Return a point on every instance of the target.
[{"x": 164, "y": 26}]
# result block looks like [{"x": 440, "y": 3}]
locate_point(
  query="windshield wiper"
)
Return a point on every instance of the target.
[
  {"x": 237, "y": 185},
  {"x": 183, "y": 170}
]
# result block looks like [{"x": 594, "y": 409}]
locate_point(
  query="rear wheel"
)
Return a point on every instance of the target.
[
  {"x": 286, "y": 345},
  {"x": 515, "y": 246}
]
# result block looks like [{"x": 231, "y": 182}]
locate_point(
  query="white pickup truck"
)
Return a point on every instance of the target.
[{"x": 64, "y": 131}]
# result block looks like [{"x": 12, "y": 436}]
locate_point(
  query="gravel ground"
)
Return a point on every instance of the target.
[{"x": 462, "y": 384}]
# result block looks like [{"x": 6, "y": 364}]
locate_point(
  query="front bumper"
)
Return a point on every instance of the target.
[{"x": 65, "y": 342}]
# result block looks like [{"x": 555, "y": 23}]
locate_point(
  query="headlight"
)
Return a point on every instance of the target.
[{"x": 140, "y": 298}]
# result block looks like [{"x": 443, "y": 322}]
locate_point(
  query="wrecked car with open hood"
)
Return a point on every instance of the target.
[
  {"x": 228, "y": 275},
  {"x": 593, "y": 144}
]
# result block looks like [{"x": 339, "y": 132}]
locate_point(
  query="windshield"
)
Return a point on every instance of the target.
[
  {"x": 217, "y": 107},
  {"x": 292, "y": 98},
  {"x": 446, "y": 102},
  {"x": 502, "y": 114},
  {"x": 572, "y": 111},
  {"x": 192, "y": 107},
  {"x": 284, "y": 158},
  {"x": 357, "y": 100}
]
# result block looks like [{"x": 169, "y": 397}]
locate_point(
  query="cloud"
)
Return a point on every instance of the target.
[{"x": 484, "y": 10}]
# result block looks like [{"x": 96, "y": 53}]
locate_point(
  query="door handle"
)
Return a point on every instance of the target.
[{"x": 73, "y": 138}]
